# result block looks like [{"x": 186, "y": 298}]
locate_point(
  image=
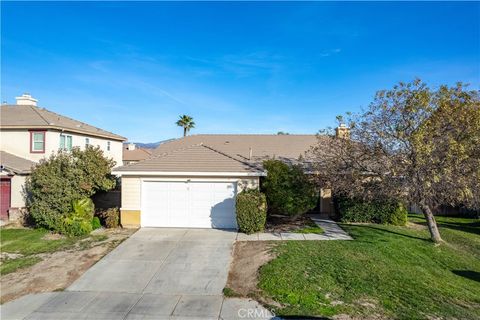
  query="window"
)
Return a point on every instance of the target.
[
  {"x": 65, "y": 142},
  {"x": 87, "y": 142},
  {"x": 37, "y": 141},
  {"x": 108, "y": 145}
]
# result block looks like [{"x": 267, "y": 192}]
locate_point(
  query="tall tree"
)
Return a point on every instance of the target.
[
  {"x": 412, "y": 144},
  {"x": 187, "y": 123}
]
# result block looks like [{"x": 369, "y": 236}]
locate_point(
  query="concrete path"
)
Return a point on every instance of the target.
[
  {"x": 157, "y": 273},
  {"x": 332, "y": 231}
]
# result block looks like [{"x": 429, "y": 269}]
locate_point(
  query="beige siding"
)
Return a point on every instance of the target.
[
  {"x": 131, "y": 193},
  {"x": 248, "y": 183}
]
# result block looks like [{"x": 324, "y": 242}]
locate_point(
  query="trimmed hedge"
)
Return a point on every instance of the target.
[
  {"x": 384, "y": 212},
  {"x": 251, "y": 211}
]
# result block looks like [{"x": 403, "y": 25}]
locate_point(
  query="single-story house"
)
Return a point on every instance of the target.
[{"x": 193, "y": 181}]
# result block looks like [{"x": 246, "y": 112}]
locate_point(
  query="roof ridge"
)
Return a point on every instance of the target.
[
  {"x": 75, "y": 120},
  {"x": 248, "y": 134},
  {"x": 37, "y": 112},
  {"x": 231, "y": 157},
  {"x": 164, "y": 154}
]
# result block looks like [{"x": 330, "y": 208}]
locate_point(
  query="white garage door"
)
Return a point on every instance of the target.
[{"x": 188, "y": 204}]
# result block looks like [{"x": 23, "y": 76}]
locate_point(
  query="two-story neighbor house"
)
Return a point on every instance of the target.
[{"x": 29, "y": 133}]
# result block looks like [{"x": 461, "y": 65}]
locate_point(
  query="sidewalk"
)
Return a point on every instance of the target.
[{"x": 331, "y": 228}]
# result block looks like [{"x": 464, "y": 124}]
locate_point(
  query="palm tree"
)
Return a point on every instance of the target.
[{"x": 187, "y": 123}]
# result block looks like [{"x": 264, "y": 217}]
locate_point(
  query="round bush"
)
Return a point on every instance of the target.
[{"x": 251, "y": 211}]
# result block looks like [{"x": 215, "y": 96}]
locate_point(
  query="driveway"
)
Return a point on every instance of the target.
[{"x": 158, "y": 273}]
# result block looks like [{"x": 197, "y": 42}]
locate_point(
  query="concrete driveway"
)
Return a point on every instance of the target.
[{"x": 158, "y": 273}]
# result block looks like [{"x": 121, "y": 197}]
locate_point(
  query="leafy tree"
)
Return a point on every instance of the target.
[
  {"x": 288, "y": 189},
  {"x": 62, "y": 179},
  {"x": 187, "y": 123},
  {"x": 412, "y": 144}
]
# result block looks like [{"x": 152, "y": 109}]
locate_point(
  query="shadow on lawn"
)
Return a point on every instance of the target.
[
  {"x": 470, "y": 227},
  {"x": 469, "y": 274},
  {"x": 382, "y": 230}
]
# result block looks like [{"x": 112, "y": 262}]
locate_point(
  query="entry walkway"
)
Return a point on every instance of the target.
[{"x": 332, "y": 231}]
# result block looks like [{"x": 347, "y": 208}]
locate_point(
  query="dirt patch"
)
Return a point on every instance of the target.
[
  {"x": 248, "y": 257},
  {"x": 279, "y": 224},
  {"x": 59, "y": 269},
  {"x": 416, "y": 226},
  {"x": 53, "y": 236}
]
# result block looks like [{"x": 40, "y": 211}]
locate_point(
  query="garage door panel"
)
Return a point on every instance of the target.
[{"x": 192, "y": 204}]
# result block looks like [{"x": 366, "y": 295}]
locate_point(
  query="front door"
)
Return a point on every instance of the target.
[{"x": 5, "y": 190}]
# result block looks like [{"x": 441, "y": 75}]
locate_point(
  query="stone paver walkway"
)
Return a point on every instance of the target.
[{"x": 332, "y": 231}]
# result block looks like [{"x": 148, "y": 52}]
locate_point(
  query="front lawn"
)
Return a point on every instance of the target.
[
  {"x": 36, "y": 260},
  {"x": 387, "y": 271},
  {"x": 24, "y": 247},
  {"x": 20, "y": 247},
  {"x": 31, "y": 241}
]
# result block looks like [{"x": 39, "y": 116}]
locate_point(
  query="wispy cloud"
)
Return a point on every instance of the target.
[
  {"x": 328, "y": 53},
  {"x": 243, "y": 64}
]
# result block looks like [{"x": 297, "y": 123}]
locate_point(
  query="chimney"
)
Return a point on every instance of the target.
[
  {"x": 342, "y": 131},
  {"x": 131, "y": 146},
  {"x": 26, "y": 100},
  {"x": 250, "y": 154}
]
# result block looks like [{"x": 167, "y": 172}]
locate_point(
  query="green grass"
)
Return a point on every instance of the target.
[
  {"x": 396, "y": 272},
  {"x": 29, "y": 241},
  {"x": 315, "y": 229},
  {"x": 11, "y": 265},
  {"x": 310, "y": 227}
]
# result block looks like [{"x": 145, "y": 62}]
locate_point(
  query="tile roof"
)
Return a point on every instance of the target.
[
  {"x": 136, "y": 154},
  {"x": 14, "y": 163},
  {"x": 195, "y": 158},
  {"x": 190, "y": 154},
  {"x": 24, "y": 116}
]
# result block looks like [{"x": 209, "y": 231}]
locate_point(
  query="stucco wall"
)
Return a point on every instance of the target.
[
  {"x": 17, "y": 142},
  {"x": 17, "y": 196}
]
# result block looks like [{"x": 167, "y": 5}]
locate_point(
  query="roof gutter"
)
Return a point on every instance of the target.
[
  {"x": 113, "y": 137},
  {"x": 196, "y": 174}
]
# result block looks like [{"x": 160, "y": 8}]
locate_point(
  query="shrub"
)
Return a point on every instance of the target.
[
  {"x": 63, "y": 178},
  {"x": 110, "y": 217},
  {"x": 385, "y": 212},
  {"x": 79, "y": 221},
  {"x": 251, "y": 211},
  {"x": 288, "y": 189},
  {"x": 96, "y": 223}
]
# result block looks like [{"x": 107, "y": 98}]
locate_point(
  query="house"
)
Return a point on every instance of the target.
[
  {"x": 133, "y": 154},
  {"x": 29, "y": 133},
  {"x": 193, "y": 181}
]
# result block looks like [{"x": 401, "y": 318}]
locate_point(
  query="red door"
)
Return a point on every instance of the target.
[{"x": 5, "y": 189}]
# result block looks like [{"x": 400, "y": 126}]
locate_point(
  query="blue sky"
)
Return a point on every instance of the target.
[{"x": 246, "y": 67}]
